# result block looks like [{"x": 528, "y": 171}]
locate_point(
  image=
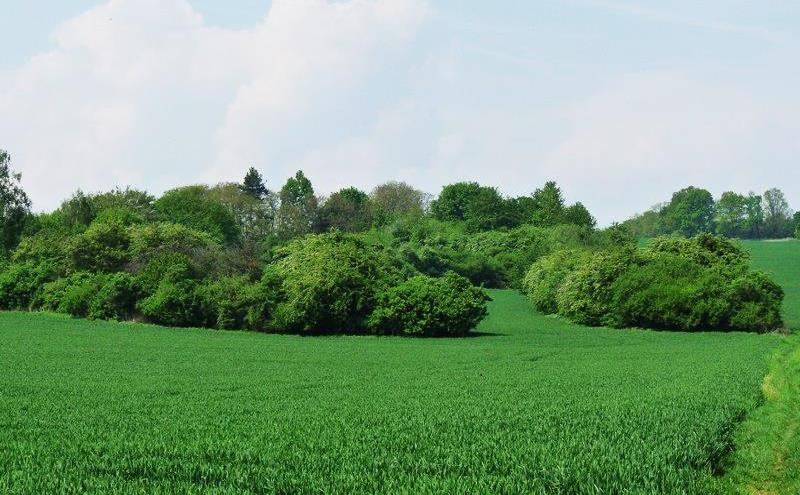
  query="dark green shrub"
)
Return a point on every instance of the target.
[
  {"x": 225, "y": 302},
  {"x": 174, "y": 303},
  {"x": 755, "y": 302},
  {"x": 169, "y": 266},
  {"x": 115, "y": 298},
  {"x": 266, "y": 295},
  {"x": 546, "y": 275},
  {"x": 20, "y": 283},
  {"x": 329, "y": 283},
  {"x": 47, "y": 248},
  {"x": 661, "y": 293},
  {"x": 76, "y": 294},
  {"x": 425, "y": 306},
  {"x": 104, "y": 247},
  {"x": 163, "y": 240}
]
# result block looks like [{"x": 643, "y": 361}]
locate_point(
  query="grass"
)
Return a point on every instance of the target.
[
  {"x": 541, "y": 406},
  {"x": 767, "y": 458},
  {"x": 781, "y": 259}
]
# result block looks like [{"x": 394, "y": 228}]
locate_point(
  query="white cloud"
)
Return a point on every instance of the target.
[
  {"x": 645, "y": 135},
  {"x": 143, "y": 92}
]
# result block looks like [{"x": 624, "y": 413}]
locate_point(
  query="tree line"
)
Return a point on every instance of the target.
[
  {"x": 392, "y": 261},
  {"x": 693, "y": 210}
]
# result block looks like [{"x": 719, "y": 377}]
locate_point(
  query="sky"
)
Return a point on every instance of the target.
[{"x": 621, "y": 102}]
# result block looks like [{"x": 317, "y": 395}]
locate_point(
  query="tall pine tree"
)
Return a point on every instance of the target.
[{"x": 254, "y": 185}]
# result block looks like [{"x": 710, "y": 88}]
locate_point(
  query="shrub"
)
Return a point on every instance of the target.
[
  {"x": 20, "y": 283},
  {"x": 174, "y": 303},
  {"x": 153, "y": 239},
  {"x": 546, "y": 275},
  {"x": 163, "y": 240},
  {"x": 172, "y": 266},
  {"x": 225, "y": 303},
  {"x": 706, "y": 287},
  {"x": 329, "y": 283},
  {"x": 102, "y": 248},
  {"x": 115, "y": 298},
  {"x": 425, "y": 306},
  {"x": 703, "y": 249},
  {"x": 755, "y": 302},
  {"x": 661, "y": 293},
  {"x": 584, "y": 297},
  {"x": 74, "y": 296}
]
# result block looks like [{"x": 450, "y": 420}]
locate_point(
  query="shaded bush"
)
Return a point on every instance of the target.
[
  {"x": 432, "y": 307},
  {"x": 116, "y": 297},
  {"x": 225, "y": 303},
  {"x": 174, "y": 303},
  {"x": 20, "y": 283}
]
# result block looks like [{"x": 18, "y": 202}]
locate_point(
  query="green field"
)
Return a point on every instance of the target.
[
  {"x": 782, "y": 260},
  {"x": 543, "y": 406}
]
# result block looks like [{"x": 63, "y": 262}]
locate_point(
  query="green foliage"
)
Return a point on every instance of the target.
[
  {"x": 393, "y": 200},
  {"x": 21, "y": 282},
  {"x": 701, "y": 283},
  {"x": 329, "y": 283},
  {"x": 14, "y": 205},
  {"x": 347, "y": 210},
  {"x": 103, "y": 247},
  {"x": 194, "y": 207},
  {"x": 548, "y": 205},
  {"x": 153, "y": 240},
  {"x": 479, "y": 207},
  {"x": 297, "y": 214},
  {"x": 430, "y": 307},
  {"x": 253, "y": 185},
  {"x": 226, "y": 302},
  {"x": 704, "y": 249},
  {"x": 584, "y": 296},
  {"x": 690, "y": 212},
  {"x": 545, "y": 276},
  {"x": 115, "y": 298},
  {"x": 174, "y": 303}
]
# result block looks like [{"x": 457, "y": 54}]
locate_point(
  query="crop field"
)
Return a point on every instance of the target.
[
  {"x": 532, "y": 405},
  {"x": 781, "y": 259}
]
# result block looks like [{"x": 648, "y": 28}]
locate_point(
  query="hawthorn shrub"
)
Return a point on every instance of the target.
[
  {"x": 702, "y": 283},
  {"x": 329, "y": 283},
  {"x": 103, "y": 247},
  {"x": 543, "y": 279},
  {"x": 430, "y": 307}
]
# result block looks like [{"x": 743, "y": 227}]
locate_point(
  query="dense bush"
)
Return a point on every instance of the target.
[
  {"x": 546, "y": 275},
  {"x": 20, "y": 283},
  {"x": 584, "y": 296},
  {"x": 329, "y": 283},
  {"x": 702, "y": 283},
  {"x": 226, "y": 302},
  {"x": 115, "y": 298},
  {"x": 104, "y": 247},
  {"x": 432, "y": 307},
  {"x": 196, "y": 208},
  {"x": 174, "y": 303}
]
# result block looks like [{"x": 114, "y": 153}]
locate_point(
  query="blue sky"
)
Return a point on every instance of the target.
[{"x": 621, "y": 102}]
